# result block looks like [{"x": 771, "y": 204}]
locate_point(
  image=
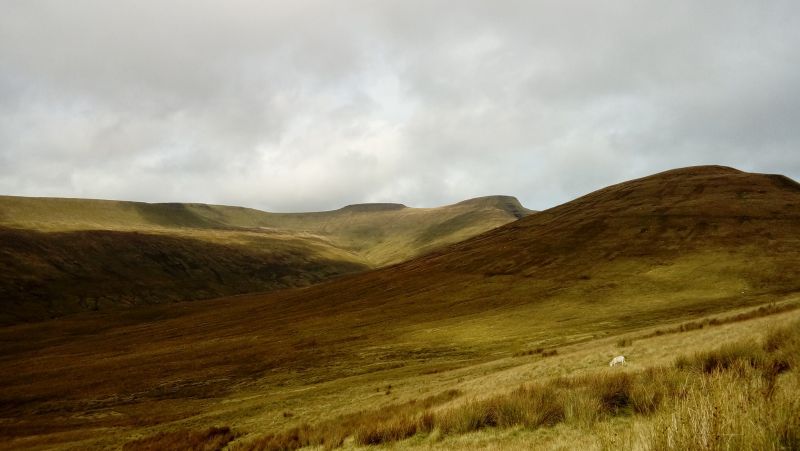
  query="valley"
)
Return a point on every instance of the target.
[
  {"x": 663, "y": 267},
  {"x": 62, "y": 256}
]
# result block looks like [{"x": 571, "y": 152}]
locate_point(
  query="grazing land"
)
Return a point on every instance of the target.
[
  {"x": 60, "y": 256},
  {"x": 498, "y": 341}
]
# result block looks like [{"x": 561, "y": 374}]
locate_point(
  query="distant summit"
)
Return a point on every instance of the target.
[{"x": 509, "y": 204}]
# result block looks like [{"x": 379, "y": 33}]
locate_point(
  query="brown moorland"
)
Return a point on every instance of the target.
[{"x": 649, "y": 253}]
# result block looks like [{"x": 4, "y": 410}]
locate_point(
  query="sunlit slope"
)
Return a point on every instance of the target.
[
  {"x": 61, "y": 256},
  {"x": 390, "y": 233},
  {"x": 681, "y": 241},
  {"x": 673, "y": 245},
  {"x": 379, "y": 233}
]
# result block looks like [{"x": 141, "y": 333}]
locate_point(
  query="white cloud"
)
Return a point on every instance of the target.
[{"x": 313, "y": 104}]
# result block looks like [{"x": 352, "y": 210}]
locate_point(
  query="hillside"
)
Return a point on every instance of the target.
[
  {"x": 636, "y": 259},
  {"x": 679, "y": 242},
  {"x": 390, "y": 233},
  {"x": 61, "y": 256}
]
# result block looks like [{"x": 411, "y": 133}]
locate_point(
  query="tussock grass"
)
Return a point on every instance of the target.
[
  {"x": 531, "y": 407},
  {"x": 729, "y": 356},
  {"x": 613, "y": 392},
  {"x": 371, "y": 427},
  {"x": 392, "y": 429},
  {"x": 210, "y": 439},
  {"x": 726, "y": 410},
  {"x": 742, "y": 395}
]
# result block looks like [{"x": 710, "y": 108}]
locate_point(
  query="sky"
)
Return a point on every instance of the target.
[{"x": 312, "y": 105}]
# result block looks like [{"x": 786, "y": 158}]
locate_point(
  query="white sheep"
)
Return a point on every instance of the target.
[{"x": 618, "y": 360}]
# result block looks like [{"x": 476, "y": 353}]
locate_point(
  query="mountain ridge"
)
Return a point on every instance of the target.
[{"x": 60, "y": 256}]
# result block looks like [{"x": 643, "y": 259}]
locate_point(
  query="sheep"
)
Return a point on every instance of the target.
[{"x": 618, "y": 360}]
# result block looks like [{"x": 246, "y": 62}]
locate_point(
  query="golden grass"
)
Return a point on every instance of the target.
[
  {"x": 390, "y": 423},
  {"x": 726, "y": 398},
  {"x": 319, "y": 377},
  {"x": 528, "y": 406},
  {"x": 728, "y": 410}
]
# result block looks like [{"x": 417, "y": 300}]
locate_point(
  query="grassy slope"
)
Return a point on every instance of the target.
[
  {"x": 61, "y": 256},
  {"x": 381, "y": 234},
  {"x": 634, "y": 256}
]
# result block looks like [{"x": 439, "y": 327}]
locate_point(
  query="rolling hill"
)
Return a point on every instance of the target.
[
  {"x": 636, "y": 259},
  {"x": 60, "y": 256}
]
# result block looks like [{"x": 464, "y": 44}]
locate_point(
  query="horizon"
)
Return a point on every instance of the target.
[
  {"x": 399, "y": 203},
  {"x": 312, "y": 106}
]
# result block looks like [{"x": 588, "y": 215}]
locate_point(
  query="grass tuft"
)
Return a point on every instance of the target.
[
  {"x": 391, "y": 430},
  {"x": 531, "y": 407},
  {"x": 729, "y": 356},
  {"x": 613, "y": 391}
]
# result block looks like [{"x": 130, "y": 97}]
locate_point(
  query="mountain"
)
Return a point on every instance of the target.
[
  {"x": 632, "y": 258},
  {"x": 687, "y": 240},
  {"x": 390, "y": 233},
  {"x": 61, "y": 256}
]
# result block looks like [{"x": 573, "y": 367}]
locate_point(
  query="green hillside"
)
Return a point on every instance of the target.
[{"x": 60, "y": 256}]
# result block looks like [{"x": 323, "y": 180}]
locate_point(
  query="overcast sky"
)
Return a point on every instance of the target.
[{"x": 312, "y": 105}]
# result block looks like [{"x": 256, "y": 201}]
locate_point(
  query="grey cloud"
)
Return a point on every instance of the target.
[{"x": 313, "y": 104}]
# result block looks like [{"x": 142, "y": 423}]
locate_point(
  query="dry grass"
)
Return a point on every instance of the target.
[
  {"x": 528, "y": 406},
  {"x": 736, "y": 401},
  {"x": 728, "y": 410},
  {"x": 742, "y": 395},
  {"x": 371, "y": 427}
]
